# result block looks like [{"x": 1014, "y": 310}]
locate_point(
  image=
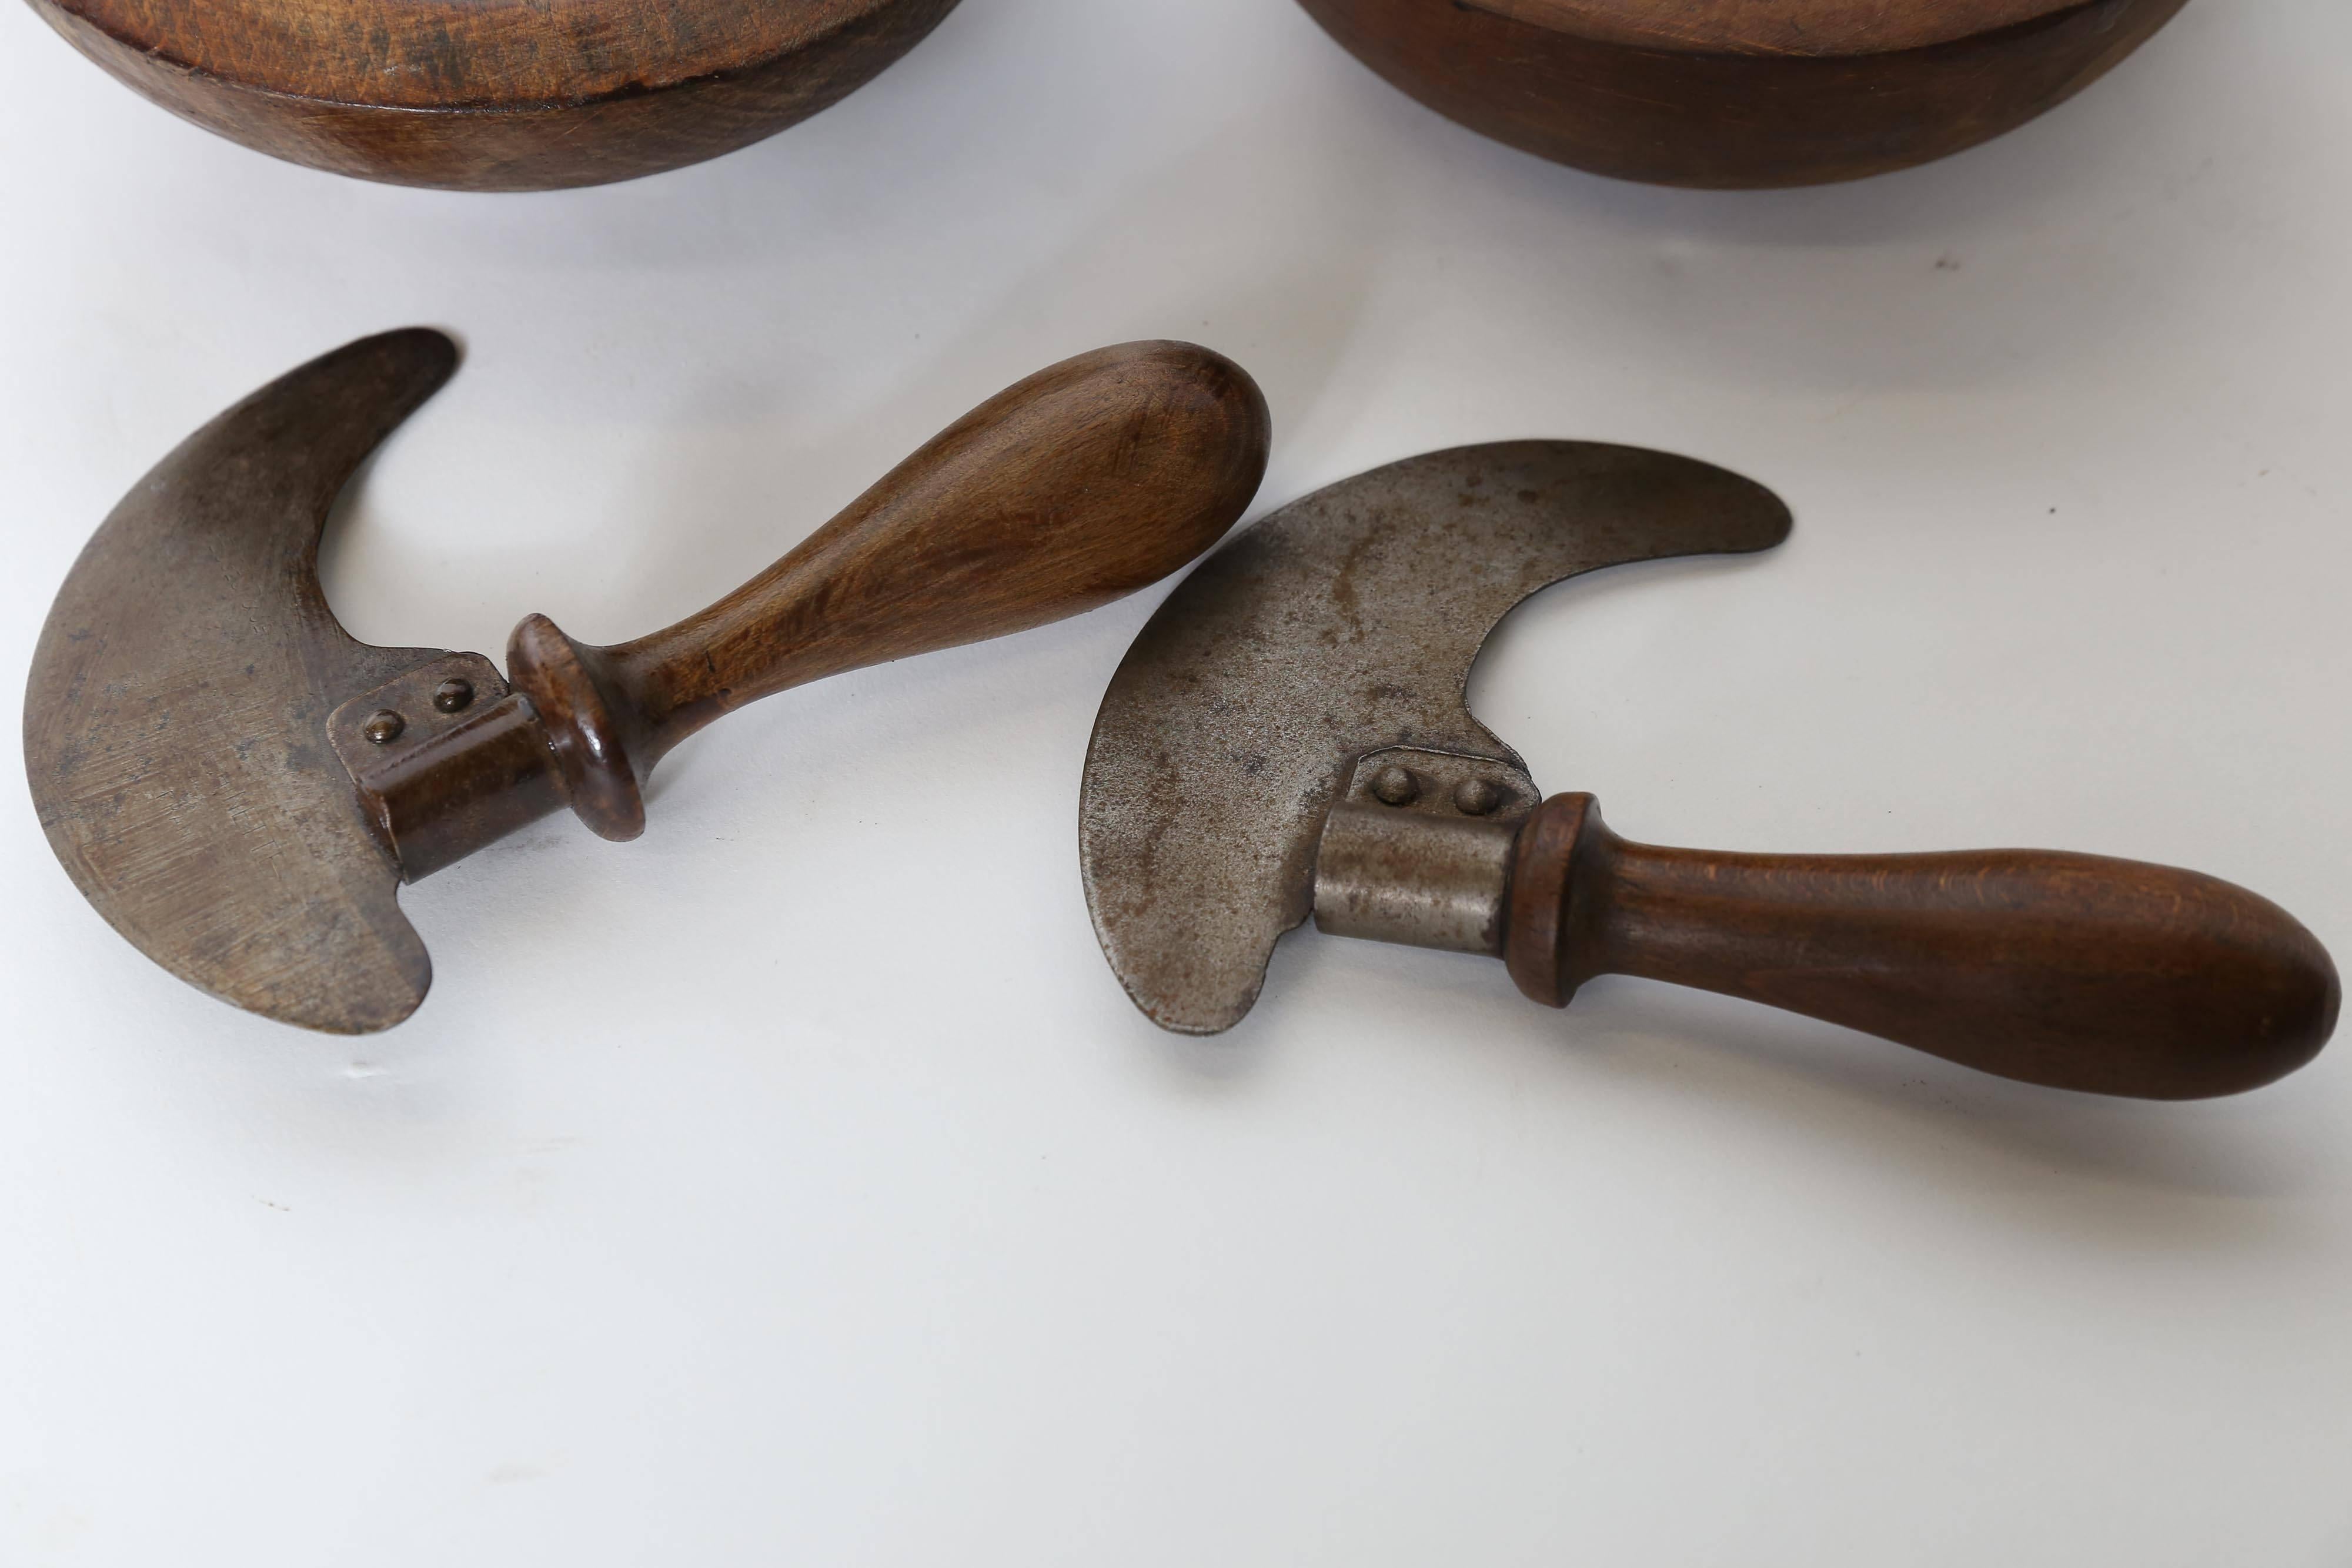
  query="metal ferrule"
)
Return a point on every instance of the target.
[
  {"x": 1418, "y": 851},
  {"x": 440, "y": 774}
]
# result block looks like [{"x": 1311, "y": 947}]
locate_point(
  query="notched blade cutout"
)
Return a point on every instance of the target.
[
  {"x": 175, "y": 721},
  {"x": 1345, "y": 622}
]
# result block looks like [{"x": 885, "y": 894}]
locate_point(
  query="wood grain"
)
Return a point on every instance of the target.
[
  {"x": 2074, "y": 972},
  {"x": 495, "y": 95},
  {"x": 1084, "y": 483},
  {"x": 1742, "y": 93}
]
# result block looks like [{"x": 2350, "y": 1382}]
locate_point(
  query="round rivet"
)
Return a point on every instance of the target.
[
  {"x": 452, "y": 696},
  {"x": 1396, "y": 786},
  {"x": 383, "y": 727},
  {"x": 1476, "y": 797}
]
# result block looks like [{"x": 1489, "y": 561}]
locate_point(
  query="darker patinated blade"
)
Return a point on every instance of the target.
[
  {"x": 1346, "y": 623},
  {"x": 175, "y": 721}
]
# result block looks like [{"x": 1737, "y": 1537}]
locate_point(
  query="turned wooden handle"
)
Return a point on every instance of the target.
[
  {"x": 2074, "y": 971},
  {"x": 1084, "y": 483}
]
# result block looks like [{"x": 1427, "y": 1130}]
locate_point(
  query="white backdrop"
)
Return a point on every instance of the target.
[{"x": 796, "y": 1185}]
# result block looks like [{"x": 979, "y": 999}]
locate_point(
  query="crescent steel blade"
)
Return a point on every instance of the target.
[
  {"x": 1343, "y": 625},
  {"x": 176, "y": 723}
]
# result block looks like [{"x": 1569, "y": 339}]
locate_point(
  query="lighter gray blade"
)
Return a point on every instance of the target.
[
  {"x": 175, "y": 721},
  {"x": 1345, "y": 622}
]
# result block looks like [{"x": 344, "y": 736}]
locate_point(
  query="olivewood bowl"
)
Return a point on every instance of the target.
[
  {"x": 1742, "y": 93},
  {"x": 495, "y": 95}
]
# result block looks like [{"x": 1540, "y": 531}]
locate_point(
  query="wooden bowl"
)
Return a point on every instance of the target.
[
  {"x": 495, "y": 95},
  {"x": 1742, "y": 93}
]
